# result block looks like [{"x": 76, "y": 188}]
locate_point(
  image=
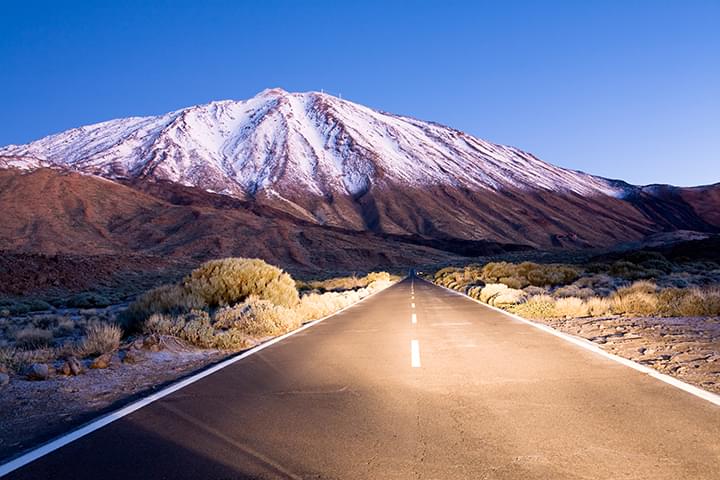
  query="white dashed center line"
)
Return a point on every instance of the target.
[
  {"x": 412, "y": 305},
  {"x": 415, "y": 354},
  {"x": 413, "y": 319}
]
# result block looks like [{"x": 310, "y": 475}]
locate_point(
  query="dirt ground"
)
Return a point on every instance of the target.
[
  {"x": 32, "y": 412},
  {"x": 686, "y": 348}
]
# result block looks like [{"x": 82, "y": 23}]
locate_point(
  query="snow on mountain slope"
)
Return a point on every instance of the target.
[{"x": 300, "y": 142}]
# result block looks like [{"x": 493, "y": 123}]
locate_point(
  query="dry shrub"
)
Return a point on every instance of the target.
[
  {"x": 16, "y": 360},
  {"x": 379, "y": 277},
  {"x": 699, "y": 303},
  {"x": 258, "y": 318},
  {"x": 235, "y": 327},
  {"x": 671, "y": 301},
  {"x": 33, "y": 338},
  {"x": 341, "y": 284},
  {"x": 538, "y": 306},
  {"x": 641, "y": 286},
  {"x": 166, "y": 299},
  {"x": 571, "y": 307},
  {"x": 573, "y": 291},
  {"x": 598, "y": 307},
  {"x": 515, "y": 282},
  {"x": 507, "y": 298},
  {"x": 100, "y": 338},
  {"x": 490, "y": 290},
  {"x": 443, "y": 272},
  {"x": 598, "y": 280},
  {"x": 9, "y": 359},
  {"x": 196, "y": 328},
  {"x": 532, "y": 290},
  {"x": 314, "y": 306},
  {"x": 232, "y": 280},
  {"x": 461, "y": 279},
  {"x": 634, "y": 303},
  {"x": 64, "y": 326},
  {"x": 529, "y": 273},
  {"x": 637, "y": 299},
  {"x": 215, "y": 283},
  {"x": 475, "y": 292}
]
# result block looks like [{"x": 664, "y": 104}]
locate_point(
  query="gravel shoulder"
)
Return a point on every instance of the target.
[
  {"x": 687, "y": 348},
  {"x": 33, "y": 412}
]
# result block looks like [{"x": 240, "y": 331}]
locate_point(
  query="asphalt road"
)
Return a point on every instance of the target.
[{"x": 465, "y": 392}]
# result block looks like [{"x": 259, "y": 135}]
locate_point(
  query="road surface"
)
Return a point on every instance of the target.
[{"x": 409, "y": 384}]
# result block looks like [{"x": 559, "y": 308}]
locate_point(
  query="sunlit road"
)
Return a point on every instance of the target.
[{"x": 424, "y": 385}]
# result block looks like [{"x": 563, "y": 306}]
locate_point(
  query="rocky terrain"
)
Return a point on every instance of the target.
[
  {"x": 685, "y": 347},
  {"x": 35, "y": 411}
]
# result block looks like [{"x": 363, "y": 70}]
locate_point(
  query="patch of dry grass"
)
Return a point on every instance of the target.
[
  {"x": 32, "y": 338},
  {"x": 571, "y": 307},
  {"x": 100, "y": 338}
]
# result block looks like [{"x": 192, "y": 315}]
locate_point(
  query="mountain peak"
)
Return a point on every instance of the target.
[
  {"x": 273, "y": 92},
  {"x": 299, "y": 142}
]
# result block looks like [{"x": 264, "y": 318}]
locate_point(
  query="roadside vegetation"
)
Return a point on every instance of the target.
[
  {"x": 648, "y": 286},
  {"x": 228, "y": 304}
]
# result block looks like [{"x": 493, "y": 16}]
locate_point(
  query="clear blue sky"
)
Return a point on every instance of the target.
[{"x": 625, "y": 89}]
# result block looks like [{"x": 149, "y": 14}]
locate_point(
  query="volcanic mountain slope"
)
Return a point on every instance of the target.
[
  {"x": 332, "y": 162},
  {"x": 61, "y": 212}
]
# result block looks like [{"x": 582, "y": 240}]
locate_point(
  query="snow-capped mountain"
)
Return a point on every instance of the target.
[
  {"x": 333, "y": 162},
  {"x": 310, "y": 141}
]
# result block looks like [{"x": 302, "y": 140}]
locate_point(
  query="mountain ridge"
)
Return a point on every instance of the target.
[{"x": 335, "y": 163}]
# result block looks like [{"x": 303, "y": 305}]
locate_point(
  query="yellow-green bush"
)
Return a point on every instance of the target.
[
  {"x": 529, "y": 273},
  {"x": 232, "y": 280},
  {"x": 538, "y": 306}
]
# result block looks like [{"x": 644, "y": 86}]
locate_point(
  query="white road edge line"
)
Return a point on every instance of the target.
[
  {"x": 413, "y": 318},
  {"x": 588, "y": 345},
  {"x": 97, "y": 424},
  {"x": 415, "y": 354}
]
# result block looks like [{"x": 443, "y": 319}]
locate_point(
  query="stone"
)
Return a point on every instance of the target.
[
  {"x": 152, "y": 343},
  {"x": 38, "y": 371},
  {"x": 4, "y": 379},
  {"x": 72, "y": 366},
  {"x": 132, "y": 357},
  {"x": 103, "y": 361}
]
